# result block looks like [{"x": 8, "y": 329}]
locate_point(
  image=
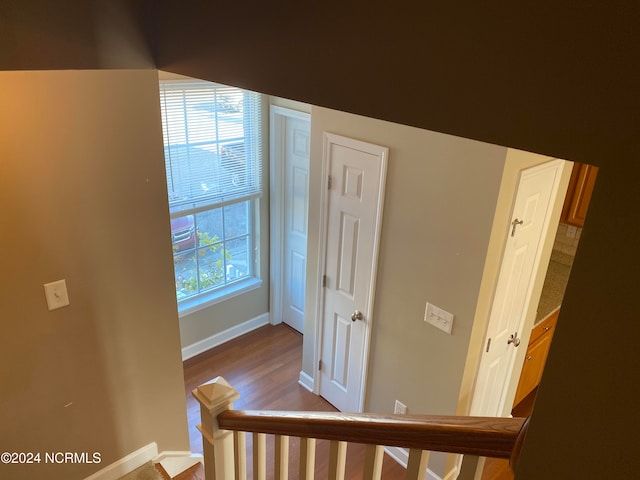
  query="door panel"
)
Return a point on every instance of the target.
[
  {"x": 347, "y": 253},
  {"x": 530, "y": 220},
  {"x": 354, "y": 204},
  {"x": 341, "y": 344},
  {"x": 296, "y": 195}
]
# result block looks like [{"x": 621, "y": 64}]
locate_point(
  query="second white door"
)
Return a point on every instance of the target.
[
  {"x": 356, "y": 175},
  {"x": 529, "y": 223},
  {"x": 296, "y": 204}
]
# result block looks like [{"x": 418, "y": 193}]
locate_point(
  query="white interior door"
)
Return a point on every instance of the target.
[
  {"x": 529, "y": 224},
  {"x": 289, "y": 201},
  {"x": 296, "y": 206},
  {"x": 356, "y": 174}
]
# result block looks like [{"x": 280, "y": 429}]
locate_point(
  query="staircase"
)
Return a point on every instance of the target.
[{"x": 224, "y": 433}]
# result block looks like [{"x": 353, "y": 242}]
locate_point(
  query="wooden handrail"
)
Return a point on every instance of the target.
[{"x": 483, "y": 436}]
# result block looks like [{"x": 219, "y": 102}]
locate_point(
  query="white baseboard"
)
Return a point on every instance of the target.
[
  {"x": 174, "y": 463},
  {"x": 401, "y": 455},
  {"x": 126, "y": 464},
  {"x": 222, "y": 337},
  {"x": 306, "y": 381}
]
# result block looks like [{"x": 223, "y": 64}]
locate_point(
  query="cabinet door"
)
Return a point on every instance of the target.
[
  {"x": 537, "y": 351},
  {"x": 533, "y": 367},
  {"x": 579, "y": 192}
]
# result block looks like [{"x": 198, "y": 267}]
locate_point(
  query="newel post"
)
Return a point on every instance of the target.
[{"x": 216, "y": 397}]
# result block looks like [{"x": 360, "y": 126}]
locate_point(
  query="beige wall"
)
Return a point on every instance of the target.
[
  {"x": 83, "y": 190},
  {"x": 438, "y": 214},
  {"x": 447, "y": 205},
  {"x": 440, "y": 197}
]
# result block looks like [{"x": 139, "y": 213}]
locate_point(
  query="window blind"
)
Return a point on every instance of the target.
[{"x": 212, "y": 146}]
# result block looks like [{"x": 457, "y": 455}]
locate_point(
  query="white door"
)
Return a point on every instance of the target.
[
  {"x": 528, "y": 227},
  {"x": 356, "y": 174},
  {"x": 296, "y": 206},
  {"x": 289, "y": 201}
]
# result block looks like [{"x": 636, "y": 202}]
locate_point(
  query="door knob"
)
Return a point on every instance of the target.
[
  {"x": 357, "y": 315},
  {"x": 513, "y": 339}
]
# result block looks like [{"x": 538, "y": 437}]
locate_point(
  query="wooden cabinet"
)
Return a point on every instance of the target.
[
  {"x": 583, "y": 178},
  {"x": 536, "y": 357}
]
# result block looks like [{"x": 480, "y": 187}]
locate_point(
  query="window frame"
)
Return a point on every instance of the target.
[{"x": 252, "y": 280}]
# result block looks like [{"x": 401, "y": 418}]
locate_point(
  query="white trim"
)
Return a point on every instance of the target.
[
  {"x": 306, "y": 381},
  {"x": 126, "y": 464},
  {"x": 176, "y": 462},
  {"x": 278, "y": 116},
  {"x": 322, "y": 247},
  {"x": 401, "y": 455},
  {"x": 222, "y": 337}
]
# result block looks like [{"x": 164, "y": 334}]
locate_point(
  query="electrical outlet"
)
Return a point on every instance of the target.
[
  {"x": 400, "y": 408},
  {"x": 56, "y": 294},
  {"x": 572, "y": 231},
  {"x": 438, "y": 318}
]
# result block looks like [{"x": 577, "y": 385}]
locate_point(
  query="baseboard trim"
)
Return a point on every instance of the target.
[
  {"x": 126, "y": 464},
  {"x": 174, "y": 463},
  {"x": 401, "y": 455},
  {"x": 222, "y": 337},
  {"x": 306, "y": 381}
]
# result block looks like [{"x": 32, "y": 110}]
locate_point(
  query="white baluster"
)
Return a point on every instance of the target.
[
  {"x": 373, "y": 457},
  {"x": 281, "y": 457},
  {"x": 337, "y": 459},
  {"x": 240, "y": 442},
  {"x": 259, "y": 456},
  {"x": 417, "y": 464},
  {"x": 307, "y": 458}
]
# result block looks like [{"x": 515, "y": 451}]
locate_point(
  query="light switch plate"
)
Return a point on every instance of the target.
[
  {"x": 56, "y": 294},
  {"x": 438, "y": 318}
]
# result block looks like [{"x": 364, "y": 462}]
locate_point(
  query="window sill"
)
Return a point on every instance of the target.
[{"x": 205, "y": 300}]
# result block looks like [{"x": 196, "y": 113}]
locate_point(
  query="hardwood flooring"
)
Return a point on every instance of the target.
[{"x": 264, "y": 366}]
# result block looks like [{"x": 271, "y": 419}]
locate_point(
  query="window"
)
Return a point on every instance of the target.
[{"x": 213, "y": 162}]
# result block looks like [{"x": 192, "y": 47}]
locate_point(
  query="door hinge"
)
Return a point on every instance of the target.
[
  {"x": 329, "y": 182},
  {"x": 488, "y": 345},
  {"x": 319, "y": 364},
  {"x": 324, "y": 280}
]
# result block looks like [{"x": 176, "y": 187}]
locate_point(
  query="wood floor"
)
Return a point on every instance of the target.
[{"x": 264, "y": 366}]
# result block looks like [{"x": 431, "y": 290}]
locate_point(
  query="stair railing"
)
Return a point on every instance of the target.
[{"x": 224, "y": 437}]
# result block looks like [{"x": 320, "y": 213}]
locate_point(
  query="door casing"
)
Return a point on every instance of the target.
[{"x": 277, "y": 206}]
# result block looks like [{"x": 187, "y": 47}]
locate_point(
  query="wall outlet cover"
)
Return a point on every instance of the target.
[{"x": 399, "y": 408}]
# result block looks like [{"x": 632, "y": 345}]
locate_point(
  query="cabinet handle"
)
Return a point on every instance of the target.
[
  {"x": 529, "y": 357},
  {"x": 546, "y": 329}
]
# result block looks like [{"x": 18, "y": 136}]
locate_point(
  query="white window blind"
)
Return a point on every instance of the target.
[{"x": 212, "y": 145}]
